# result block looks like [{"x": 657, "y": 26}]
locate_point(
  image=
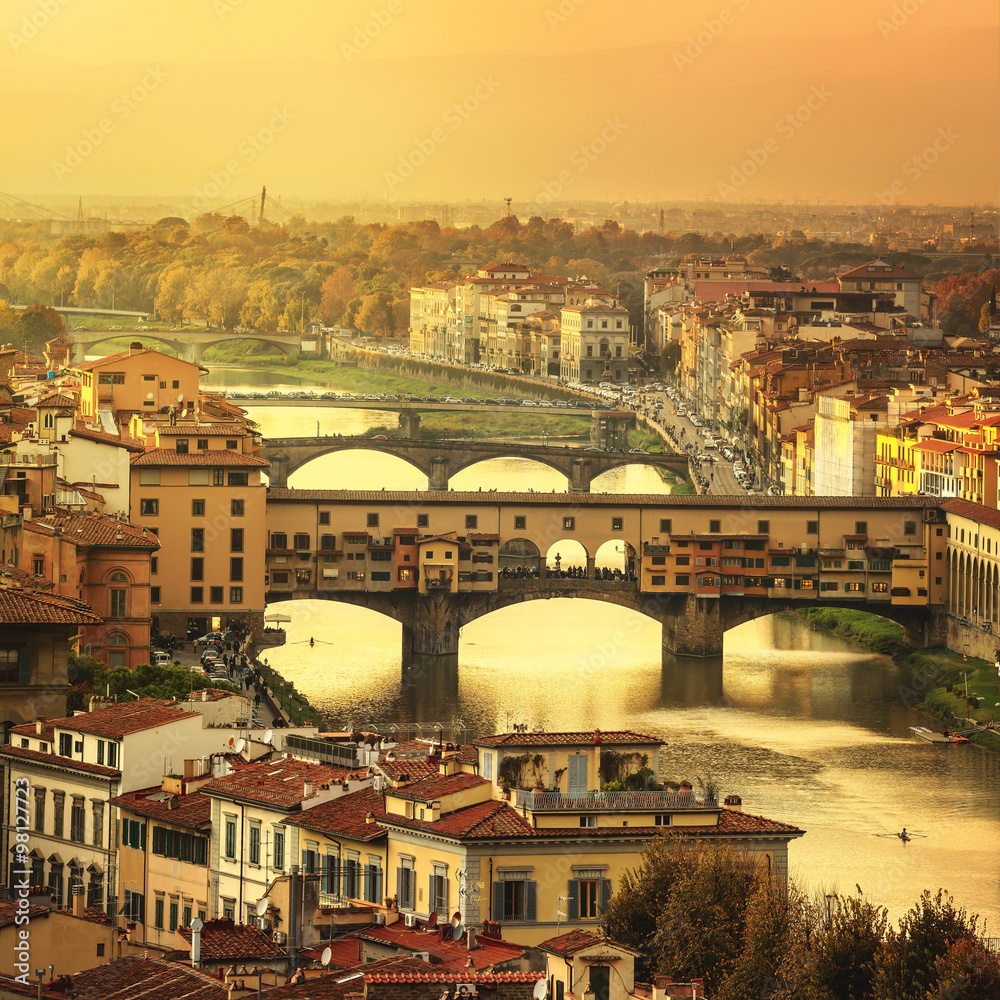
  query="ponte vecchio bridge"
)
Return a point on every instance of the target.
[{"x": 699, "y": 565}]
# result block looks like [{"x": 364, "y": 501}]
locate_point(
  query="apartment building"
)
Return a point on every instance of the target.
[{"x": 594, "y": 342}]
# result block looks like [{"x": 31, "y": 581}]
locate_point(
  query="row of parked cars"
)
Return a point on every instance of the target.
[{"x": 409, "y": 397}]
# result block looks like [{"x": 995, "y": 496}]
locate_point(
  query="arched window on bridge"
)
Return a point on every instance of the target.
[
  {"x": 518, "y": 559},
  {"x": 567, "y": 558}
]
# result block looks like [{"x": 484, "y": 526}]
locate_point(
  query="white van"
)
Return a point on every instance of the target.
[
  {"x": 738, "y": 470},
  {"x": 159, "y": 656}
]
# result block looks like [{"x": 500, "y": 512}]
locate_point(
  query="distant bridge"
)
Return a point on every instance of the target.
[
  {"x": 189, "y": 344},
  {"x": 441, "y": 459}
]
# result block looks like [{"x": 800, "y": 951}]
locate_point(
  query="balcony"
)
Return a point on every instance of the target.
[{"x": 553, "y": 802}]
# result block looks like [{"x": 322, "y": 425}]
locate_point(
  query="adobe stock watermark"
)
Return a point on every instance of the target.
[
  {"x": 32, "y": 24},
  {"x": 696, "y": 45},
  {"x": 248, "y": 150},
  {"x": 917, "y": 165},
  {"x": 454, "y": 118},
  {"x": 122, "y": 108},
  {"x": 563, "y": 12},
  {"x": 900, "y": 14},
  {"x": 223, "y": 8},
  {"x": 787, "y": 127},
  {"x": 365, "y": 34},
  {"x": 580, "y": 160}
]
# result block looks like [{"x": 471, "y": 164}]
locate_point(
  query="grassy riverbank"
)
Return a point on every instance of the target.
[{"x": 937, "y": 675}]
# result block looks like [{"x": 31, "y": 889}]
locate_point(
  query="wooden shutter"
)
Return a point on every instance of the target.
[
  {"x": 605, "y": 895},
  {"x": 368, "y": 894},
  {"x": 577, "y": 780},
  {"x": 530, "y": 900},
  {"x": 497, "y": 910},
  {"x": 324, "y": 879},
  {"x": 24, "y": 666},
  {"x": 401, "y": 899},
  {"x": 573, "y": 900}
]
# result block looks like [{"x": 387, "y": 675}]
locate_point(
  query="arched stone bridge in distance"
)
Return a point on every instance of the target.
[
  {"x": 440, "y": 459},
  {"x": 189, "y": 344}
]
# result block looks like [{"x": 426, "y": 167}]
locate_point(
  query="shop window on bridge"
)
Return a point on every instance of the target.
[
  {"x": 305, "y": 575},
  {"x": 279, "y": 577},
  {"x": 238, "y": 479},
  {"x": 812, "y": 527},
  {"x": 733, "y": 561},
  {"x": 854, "y": 588},
  {"x": 879, "y": 565},
  {"x": 732, "y": 581},
  {"x": 682, "y": 580},
  {"x": 807, "y": 583},
  {"x": 733, "y": 543},
  {"x": 880, "y": 588},
  {"x": 482, "y": 576},
  {"x": 782, "y": 583},
  {"x": 682, "y": 560},
  {"x": 829, "y": 585},
  {"x": 381, "y": 576},
  {"x": 714, "y": 527},
  {"x": 855, "y": 564},
  {"x": 780, "y": 561},
  {"x": 805, "y": 561},
  {"x": 666, "y": 525},
  {"x": 763, "y": 527},
  {"x": 659, "y": 581},
  {"x": 659, "y": 560},
  {"x": 380, "y": 555},
  {"x": 300, "y": 541}
]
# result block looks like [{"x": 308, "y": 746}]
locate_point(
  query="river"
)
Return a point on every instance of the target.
[{"x": 806, "y": 727}]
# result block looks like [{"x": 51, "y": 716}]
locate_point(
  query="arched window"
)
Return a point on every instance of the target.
[
  {"x": 119, "y": 595},
  {"x": 49, "y": 421},
  {"x": 117, "y": 644}
]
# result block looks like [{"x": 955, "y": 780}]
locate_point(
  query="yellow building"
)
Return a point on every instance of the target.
[
  {"x": 547, "y": 858},
  {"x": 581, "y": 961}
]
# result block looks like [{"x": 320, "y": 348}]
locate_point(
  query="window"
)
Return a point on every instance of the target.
[
  {"x": 218, "y": 477},
  {"x": 763, "y": 527},
  {"x": 520, "y": 523},
  {"x": 714, "y": 527},
  {"x": 236, "y": 568},
  {"x": 515, "y": 900},
  {"x": 588, "y": 822},
  {"x": 118, "y": 603},
  {"x": 854, "y": 588},
  {"x": 861, "y": 527},
  {"x": 158, "y": 912},
  {"x": 197, "y": 539},
  {"x": 279, "y": 540},
  {"x": 588, "y": 898},
  {"x": 230, "y": 846},
  {"x": 215, "y": 595},
  {"x": 301, "y": 541},
  {"x": 149, "y": 507},
  {"x": 65, "y": 744},
  {"x": 197, "y": 508},
  {"x": 683, "y": 560},
  {"x": 134, "y": 834},
  {"x": 197, "y": 595},
  {"x": 235, "y": 595},
  {"x": 682, "y": 580},
  {"x": 58, "y": 808},
  {"x": 202, "y": 444},
  {"x": 438, "y": 890},
  {"x": 659, "y": 581},
  {"x": 880, "y": 588},
  {"x": 909, "y": 527},
  {"x": 76, "y": 820},
  {"x": 278, "y": 861},
  {"x": 231, "y": 444},
  {"x": 154, "y": 595},
  {"x": 617, "y": 523},
  {"x": 372, "y": 520},
  {"x": 182, "y": 446},
  {"x": 149, "y": 477},
  {"x": 229, "y": 908},
  {"x": 173, "y": 914},
  {"x": 98, "y": 810},
  {"x": 666, "y": 525},
  {"x": 471, "y": 521},
  {"x": 423, "y": 520},
  {"x": 406, "y": 885},
  {"x": 488, "y": 766},
  {"x": 569, "y": 523},
  {"x": 236, "y": 508},
  {"x": 39, "y": 810},
  {"x": 238, "y": 479},
  {"x": 134, "y": 906},
  {"x": 279, "y": 576},
  {"x": 255, "y": 842},
  {"x": 197, "y": 568},
  {"x": 181, "y": 846}
]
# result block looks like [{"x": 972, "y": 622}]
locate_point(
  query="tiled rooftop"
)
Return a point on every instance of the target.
[
  {"x": 478, "y": 822},
  {"x": 974, "y": 511},
  {"x": 344, "y": 984},
  {"x": 279, "y": 783},
  {"x": 436, "y": 785},
  {"x": 222, "y": 940},
  {"x": 193, "y": 810},
  {"x": 117, "y": 721},
  {"x": 57, "y": 760},
  {"x": 167, "y": 456},
  {"x": 21, "y": 607},
  {"x": 488, "y": 951},
  {"x": 345, "y": 816},
  {"x": 135, "y": 978},
  {"x": 102, "y": 437},
  {"x": 95, "y": 529},
  {"x": 573, "y": 941},
  {"x": 596, "y": 736}
]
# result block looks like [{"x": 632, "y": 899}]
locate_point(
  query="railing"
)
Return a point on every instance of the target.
[{"x": 614, "y": 801}]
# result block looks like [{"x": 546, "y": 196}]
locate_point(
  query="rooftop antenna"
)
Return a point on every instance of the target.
[
  {"x": 507, "y": 201},
  {"x": 263, "y": 195},
  {"x": 79, "y": 210}
]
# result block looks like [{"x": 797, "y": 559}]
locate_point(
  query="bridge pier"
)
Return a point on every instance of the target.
[
  {"x": 192, "y": 352},
  {"x": 438, "y": 479},
  {"x": 409, "y": 424},
  {"x": 579, "y": 480},
  {"x": 434, "y": 627},
  {"x": 278, "y": 473}
]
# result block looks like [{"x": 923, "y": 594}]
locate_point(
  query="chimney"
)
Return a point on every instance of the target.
[
  {"x": 307, "y": 788},
  {"x": 204, "y": 694},
  {"x": 40, "y": 725},
  {"x": 79, "y": 901},
  {"x": 734, "y": 802},
  {"x": 196, "y": 926}
]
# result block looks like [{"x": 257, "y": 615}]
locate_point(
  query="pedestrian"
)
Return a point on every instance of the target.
[{"x": 194, "y": 645}]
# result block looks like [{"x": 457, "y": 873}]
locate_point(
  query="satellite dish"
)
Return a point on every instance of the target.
[
  {"x": 267, "y": 735},
  {"x": 262, "y": 906},
  {"x": 232, "y": 740},
  {"x": 240, "y": 744},
  {"x": 180, "y": 398},
  {"x": 540, "y": 990},
  {"x": 457, "y": 931},
  {"x": 432, "y": 920},
  {"x": 456, "y": 919},
  {"x": 149, "y": 395},
  {"x": 328, "y": 954}
]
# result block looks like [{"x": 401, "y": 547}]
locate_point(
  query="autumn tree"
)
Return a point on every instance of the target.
[
  {"x": 335, "y": 294},
  {"x": 961, "y": 299}
]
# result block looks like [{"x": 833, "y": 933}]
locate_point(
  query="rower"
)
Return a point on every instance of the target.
[{"x": 904, "y": 835}]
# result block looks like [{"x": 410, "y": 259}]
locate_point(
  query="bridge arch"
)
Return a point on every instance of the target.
[
  {"x": 460, "y": 464},
  {"x": 283, "y": 347},
  {"x": 88, "y": 346},
  {"x": 566, "y": 554},
  {"x": 519, "y": 557},
  {"x": 286, "y": 465}
]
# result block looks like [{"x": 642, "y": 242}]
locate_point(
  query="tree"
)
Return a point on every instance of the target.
[
  {"x": 38, "y": 324},
  {"x": 336, "y": 293},
  {"x": 670, "y": 357},
  {"x": 260, "y": 307},
  {"x": 961, "y": 299}
]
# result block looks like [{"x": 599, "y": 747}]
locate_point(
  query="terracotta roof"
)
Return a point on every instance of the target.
[
  {"x": 279, "y": 783},
  {"x": 8, "y": 911},
  {"x": 566, "y": 739},
  {"x": 91, "y": 435},
  {"x": 135, "y": 978},
  {"x": 96, "y": 529},
  {"x": 118, "y": 721},
  {"x": 168, "y": 456},
  {"x": 422, "y": 499},
  {"x": 193, "y": 810},
  {"x": 479, "y": 979},
  {"x": 483, "y": 821},
  {"x": 407, "y": 769},
  {"x": 468, "y": 755},
  {"x": 579, "y": 940},
  {"x": 884, "y": 270},
  {"x": 489, "y": 951},
  {"x": 934, "y": 445},
  {"x": 347, "y": 983},
  {"x": 200, "y": 430},
  {"x": 57, "y": 760},
  {"x": 58, "y": 400},
  {"x": 974, "y": 511},
  {"x": 483, "y": 537},
  {"x": 436, "y": 785},
  {"x": 21, "y": 607},
  {"x": 222, "y": 940},
  {"x": 345, "y": 816},
  {"x": 111, "y": 359}
]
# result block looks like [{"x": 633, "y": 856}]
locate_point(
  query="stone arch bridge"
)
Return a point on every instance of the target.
[
  {"x": 440, "y": 459},
  {"x": 189, "y": 344}
]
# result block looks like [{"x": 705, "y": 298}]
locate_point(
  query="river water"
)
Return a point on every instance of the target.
[{"x": 807, "y": 728}]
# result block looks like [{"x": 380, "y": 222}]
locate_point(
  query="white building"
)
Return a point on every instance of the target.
[
  {"x": 594, "y": 343},
  {"x": 846, "y": 432}
]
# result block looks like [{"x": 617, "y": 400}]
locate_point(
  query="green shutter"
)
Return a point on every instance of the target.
[
  {"x": 573, "y": 900},
  {"x": 530, "y": 900},
  {"x": 24, "y": 666},
  {"x": 497, "y": 913},
  {"x": 605, "y": 895}
]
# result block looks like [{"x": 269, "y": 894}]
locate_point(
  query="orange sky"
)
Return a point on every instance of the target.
[{"x": 412, "y": 100}]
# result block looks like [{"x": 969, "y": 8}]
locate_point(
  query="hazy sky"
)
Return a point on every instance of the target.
[{"x": 737, "y": 100}]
